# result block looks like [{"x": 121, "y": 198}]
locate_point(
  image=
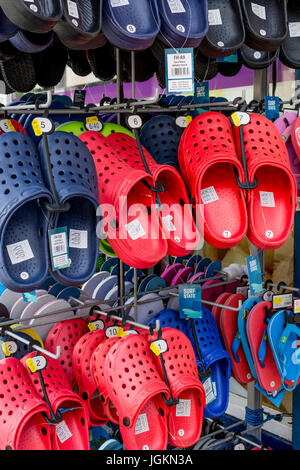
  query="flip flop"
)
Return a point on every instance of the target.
[
  {"x": 81, "y": 23},
  {"x": 160, "y": 136},
  {"x": 31, "y": 43},
  {"x": 89, "y": 286},
  {"x": 226, "y": 32},
  {"x": 8, "y": 29},
  {"x": 71, "y": 432},
  {"x": 38, "y": 16},
  {"x": 289, "y": 52},
  {"x": 207, "y": 158},
  {"x": 183, "y": 24},
  {"x": 20, "y": 304},
  {"x": 43, "y": 326},
  {"x": 184, "y": 418},
  {"x": 134, "y": 386},
  {"x": 177, "y": 220},
  {"x": 242, "y": 340},
  {"x": 213, "y": 357},
  {"x": 271, "y": 207},
  {"x": 295, "y": 136},
  {"x": 97, "y": 367},
  {"x": 75, "y": 181},
  {"x": 131, "y": 26},
  {"x": 9, "y": 297},
  {"x": 229, "y": 328},
  {"x": 24, "y": 254},
  {"x": 266, "y": 370},
  {"x": 66, "y": 334},
  {"x": 25, "y": 427},
  {"x": 85, "y": 384},
  {"x": 284, "y": 341},
  {"x": 32, "y": 307},
  {"x": 211, "y": 293},
  {"x": 151, "y": 304},
  {"x": 266, "y": 24},
  {"x": 182, "y": 276},
  {"x": 257, "y": 60},
  {"x": 127, "y": 234},
  {"x": 216, "y": 311},
  {"x": 102, "y": 289}
]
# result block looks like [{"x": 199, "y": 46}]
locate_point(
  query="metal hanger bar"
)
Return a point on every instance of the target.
[
  {"x": 293, "y": 289},
  {"x": 34, "y": 346}
]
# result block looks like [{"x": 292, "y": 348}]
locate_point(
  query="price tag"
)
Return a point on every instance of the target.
[
  {"x": 93, "y": 123},
  {"x": 36, "y": 363},
  {"x": 9, "y": 348},
  {"x": 58, "y": 241},
  {"x": 282, "y": 301},
  {"x": 209, "y": 391},
  {"x": 134, "y": 121},
  {"x": 255, "y": 275},
  {"x": 180, "y": 71},
  {"x": 42, "y": 125},
  {"x": 6, "y": 125},
  {"x": 79, "y": 98},
  {"x": 190, "y": 301},
  {"x": 297, "y": 306},
  {"x": 159, "y": 347},
  {"x": 96, "y": 325}
]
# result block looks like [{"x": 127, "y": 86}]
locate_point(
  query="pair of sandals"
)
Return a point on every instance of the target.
[
  {"x": 210, "y": 158},
  {"x": 26, "y": 190}
]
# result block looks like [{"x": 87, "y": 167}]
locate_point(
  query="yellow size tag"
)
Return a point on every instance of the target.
[
  {"x": 277, "y": 300},
  {"x": 91, "y": 326},
  {"x": 91, "y": 119},
  {"x": 236, "y": 120},
  {"x": 155, "y": 349},
  {"x": 37, "y": 128},
  {"x": 188, "y": 120},
  {"x": 120, "y": 332},
  {"x": 5, "y": 349},
  {"x": 10, "y": 125},
  {"x": 31, "y": 365}
]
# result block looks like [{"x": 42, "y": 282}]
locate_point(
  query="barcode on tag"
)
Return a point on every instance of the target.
[
  {"x": 179, "y": 71},
  {"x": 73, "y": 9},
  {"x": 176, "y": 6},
  {"x": 214, "y": 17},
  {"x": 267, "y": 199},
  {"x": 59, "y": 261},
  {"x": 135, "y": 229},
  {"x": 19, "y": 252},
  {"x": 58, "y": 243},
  {"x": 209, "y": 195},
  {"x": 63, "y": 432},
  {"x": 141, "y": 424},
  {"x": 209, "y": 391},
  {"x": 259, "y": 10},
  {"x": 183, "y": 408},
  {"x": 78, "y": 238}
]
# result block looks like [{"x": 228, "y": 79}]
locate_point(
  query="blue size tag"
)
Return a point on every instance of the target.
[
  {"x": 190, "y": 301},
  {"x": 255, "y": 275},
  {"x": 179, "y": 71},
  {"x": 59, "y": 248},
  {"x": 233, "y": 58},
  {"x": 2, "y": 288},
  {"x": 272, "y": 107},
  {"x": 201, "y": 95},
  {"x": 30, "y": 296}
]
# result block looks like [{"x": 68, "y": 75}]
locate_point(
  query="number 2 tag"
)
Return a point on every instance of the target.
[{"x": 36, "y": 363}]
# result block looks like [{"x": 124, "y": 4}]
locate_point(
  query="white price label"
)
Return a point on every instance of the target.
[
  {"x": 209, "y": 195},
  {"x": 78, "y": 238},
  {"x": 214, "y": 17},
  {"x": 294, "y": 29},
  {"x": 73, "y": 9},
  {"x": 119, "y": 3},
  {"x": 183, "y": 408},
  {"x": 168, "y": 223},
  {"x": 209, "y": 391},
  {"x": 63, "y": 432},
  {"x": 135, "y": 229},
  {"x": 176, "y": 6},
  {"x": 267, "y": 199},
  {"x": 141, "y": 424},
  {"x": 19, "y": 252},
  {"x": 259, "y": 10}
]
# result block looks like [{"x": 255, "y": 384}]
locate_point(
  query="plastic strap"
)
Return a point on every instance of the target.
[
  {"x": 235, "y": 347},
  {"x": 263, "y": 349}
]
